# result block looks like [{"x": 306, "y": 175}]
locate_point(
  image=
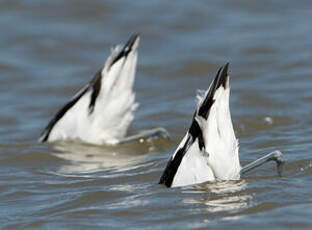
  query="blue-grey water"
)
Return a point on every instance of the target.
[{"x": 50, "y": 49}]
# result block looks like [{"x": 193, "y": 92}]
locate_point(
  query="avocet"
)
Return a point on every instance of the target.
[
  {"x": 209, "y": 150},
  {"x": 101, "y": 112}
]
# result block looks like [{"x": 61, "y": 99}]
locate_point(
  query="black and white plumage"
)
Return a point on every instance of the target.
[
  {"x": 101, "y": 112},
  {"x": 209, "y": 150}
]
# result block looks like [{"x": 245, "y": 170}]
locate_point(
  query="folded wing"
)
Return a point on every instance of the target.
[
  {"x": 209, "y": 150},
  {"x": 102, "y": 111}
]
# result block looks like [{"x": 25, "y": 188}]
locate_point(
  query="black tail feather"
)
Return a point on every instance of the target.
[
  {"x": 126, "y": 49},
  {"x": 220, "y": 79}
]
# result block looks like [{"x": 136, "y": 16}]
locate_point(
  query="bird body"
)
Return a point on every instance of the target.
[
  {"x": 209, "y": 150},
  {"x": 101, "y": 112}
]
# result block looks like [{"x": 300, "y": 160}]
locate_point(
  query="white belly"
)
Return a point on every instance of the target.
[{"x": 193, "y": 168}]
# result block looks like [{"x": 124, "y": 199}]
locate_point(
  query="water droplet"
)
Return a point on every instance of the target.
[{"x": 268, "y": 120}]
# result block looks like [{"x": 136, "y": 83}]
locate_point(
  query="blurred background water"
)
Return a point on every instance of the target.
[{"x": 49, "y": 49}]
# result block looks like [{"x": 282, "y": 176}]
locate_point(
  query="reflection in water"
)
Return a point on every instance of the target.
[
  {"x": 220, "y": 196},
  {"x": 89, "y": 159}
]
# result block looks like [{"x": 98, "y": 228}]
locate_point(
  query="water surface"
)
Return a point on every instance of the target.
[{"x": 49, "y": 49}]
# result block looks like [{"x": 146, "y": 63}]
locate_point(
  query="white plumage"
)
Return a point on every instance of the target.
[
  {"x": 209, "y": 150},
  {"x": 221, "y": 145},
  {"x": 102, "y": 111}
]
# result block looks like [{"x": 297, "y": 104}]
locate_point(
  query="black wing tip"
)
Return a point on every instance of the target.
[
  {"x": 95, "y": 84},
  {"x": 164, "y": 182},
  {"x": 133, "y": 38},
  {"x": 43, "y": 137},
  {"x": 223, "y": 75},
  {"x": 220, "y": 79},
  {"x": 167, "y": 175},
  {"x": 127, "y": 47}
]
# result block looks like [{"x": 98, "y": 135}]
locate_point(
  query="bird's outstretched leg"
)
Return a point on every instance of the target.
[
  {"x": 146, "y": 134},
  {"x": 276, "y": 156}
]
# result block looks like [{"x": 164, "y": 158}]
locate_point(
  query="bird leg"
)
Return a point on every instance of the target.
[
  {"x": 146, "y": 134},
  {"x": 276, "y": 156}
]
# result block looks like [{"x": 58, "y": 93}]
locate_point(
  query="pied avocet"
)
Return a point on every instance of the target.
[
  {"x": 209, "y": 150},
  {"x": 101, "y": 112}
]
